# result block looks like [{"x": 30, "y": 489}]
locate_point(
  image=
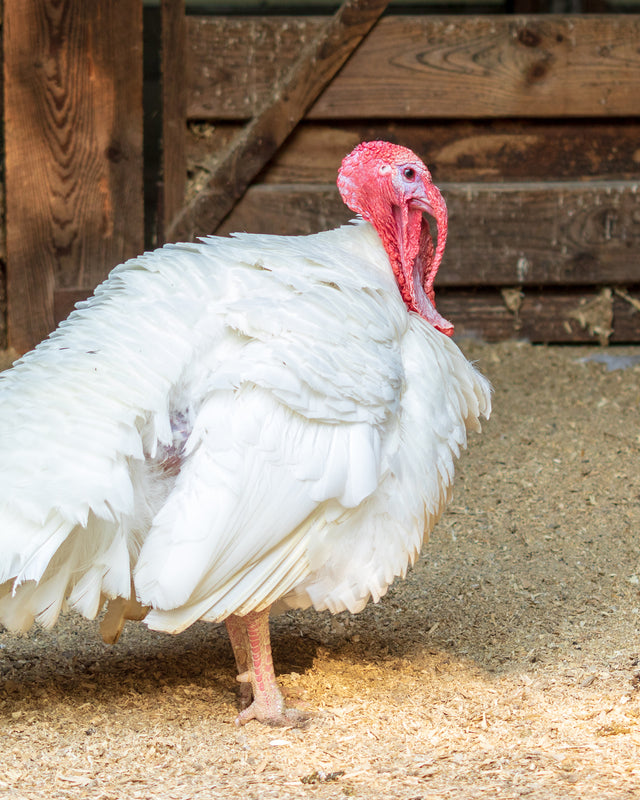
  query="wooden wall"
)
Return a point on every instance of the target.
[
  {"x": 73, "y": 153},
  {"x": 530, "y": 126}
]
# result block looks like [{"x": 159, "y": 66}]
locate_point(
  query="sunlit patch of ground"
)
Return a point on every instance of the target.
[{"x": 506, "y": 665}]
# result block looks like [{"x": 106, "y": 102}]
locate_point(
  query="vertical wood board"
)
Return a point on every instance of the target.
[
  {"x": 73, "y": 139},
  {"x": 174, "y": 111}
]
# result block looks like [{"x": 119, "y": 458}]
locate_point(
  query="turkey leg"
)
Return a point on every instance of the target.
[
  {"x": 237, "y": 631},
  {"x": 249, "y": 636}
]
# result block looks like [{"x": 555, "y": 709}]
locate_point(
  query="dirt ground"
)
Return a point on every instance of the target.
[{"x": 506, "y": 665}]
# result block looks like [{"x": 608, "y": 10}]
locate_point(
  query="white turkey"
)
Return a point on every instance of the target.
[{"x": 240, "y": 426}]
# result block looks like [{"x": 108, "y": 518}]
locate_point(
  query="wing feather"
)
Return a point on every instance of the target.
[
  {"x": 234, "y": 532},
  {"x": 321, "y": 422}
]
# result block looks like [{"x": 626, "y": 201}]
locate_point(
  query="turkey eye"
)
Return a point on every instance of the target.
[{"x": 409, "y": 173}]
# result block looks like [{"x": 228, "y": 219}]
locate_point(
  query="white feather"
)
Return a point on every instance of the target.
[{"x": 228, "y": 425}]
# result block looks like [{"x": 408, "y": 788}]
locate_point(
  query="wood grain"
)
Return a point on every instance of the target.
[
  {"x": 284, "y": 106},
  {"x": 73, "y": 138},
  {"x": 174, "y": 114},
  {"x": 427, "y": 67},
  {"x": 499, "y": 234},
  {"x": 455, "y": 150},
  {"x": 545, "y": 316}
]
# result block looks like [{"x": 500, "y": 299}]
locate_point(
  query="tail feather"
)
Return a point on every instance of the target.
[
  {"x": 65, "y": 565},
  {"x": 32, "y": 601}
]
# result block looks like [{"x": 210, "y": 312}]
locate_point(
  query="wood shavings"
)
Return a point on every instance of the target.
[
  {"x": 318, "y": 776},
  {"x": 490, "y": 672}
]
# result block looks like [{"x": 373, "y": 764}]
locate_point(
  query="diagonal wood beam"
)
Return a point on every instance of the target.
[{"x": 292, "y": 96}]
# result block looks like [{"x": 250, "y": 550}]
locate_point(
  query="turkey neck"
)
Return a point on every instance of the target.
[{"x": 406, "y": 237}]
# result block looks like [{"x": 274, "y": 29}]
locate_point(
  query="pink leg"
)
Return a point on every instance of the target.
[
  {"x": 251, "y": 644},
  {"x": 237, "y": 631}
]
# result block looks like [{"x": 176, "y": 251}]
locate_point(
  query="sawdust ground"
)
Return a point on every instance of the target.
[{"x": 506, "y": 665}]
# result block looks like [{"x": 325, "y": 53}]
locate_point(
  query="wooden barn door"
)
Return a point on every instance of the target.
[
  {"x": 530, "y": 125},
  {"x": 73, "y": 142},
  {"x": 315, "y": 61}
]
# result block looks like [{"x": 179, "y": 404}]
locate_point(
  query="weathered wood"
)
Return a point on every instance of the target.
[
  {"x": 288, "y": 101},
  {"x": 64, "y": 301},
  {"x": 251, "y": 53},
  {"x": 3, "y": 248},
  {"x": 174, "y": 114},
  {"x": 544, "y": 316},
  {"x": 455, "y": 151},
  {"x": 73, "y": 139},
  {"x": 553, "y": 6},
  {"x": 499, "y": 234},
  {"x": 427, "y": 67}
]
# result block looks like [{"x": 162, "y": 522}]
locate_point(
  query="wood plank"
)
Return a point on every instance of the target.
[
  {"x": 249, "y": 52},
  {"x": 285, "y": 105},
  {"x": 73, "y": 139},
  {"x": 3, "y": 243},
  {"x": 64, "y": 301},
  {"x": 174, "y": 112},
  {"x": 427, "y": 67},
  {"x": 456, "y": 151},
  {"x": 499, "y": 234},
  {"x": 547, "y": 6},
  {"x": 548, "y": 316}
]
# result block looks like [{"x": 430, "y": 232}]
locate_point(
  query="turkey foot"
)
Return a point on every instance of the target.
[{"x": 260, "y": 695}]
